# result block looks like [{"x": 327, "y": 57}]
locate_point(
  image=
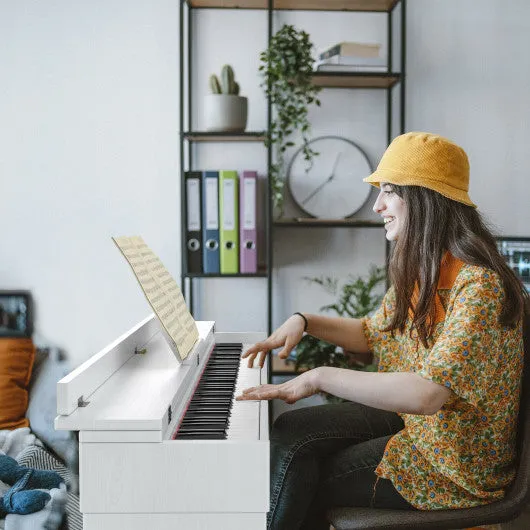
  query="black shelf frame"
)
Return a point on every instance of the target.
[
  {"x": 188, "y": 136},
  {"x": 328, "y": 80},
  {"x": 208, "y": 136},
  {"x": 360, "y": 6},
  {"x": 238, "y": 275}
]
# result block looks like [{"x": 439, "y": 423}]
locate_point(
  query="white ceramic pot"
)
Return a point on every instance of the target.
[{"x": 225, "y": 112}]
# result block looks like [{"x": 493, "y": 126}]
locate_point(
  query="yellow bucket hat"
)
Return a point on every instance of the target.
[{"x": 427, "y": 160}]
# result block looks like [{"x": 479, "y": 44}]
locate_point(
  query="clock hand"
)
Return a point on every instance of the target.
[
  {"x": 335, "y": 164},
  {"x": 329, "y": 179}
]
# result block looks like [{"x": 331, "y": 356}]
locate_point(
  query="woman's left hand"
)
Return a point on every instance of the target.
[{"x": 300, "y": 387}]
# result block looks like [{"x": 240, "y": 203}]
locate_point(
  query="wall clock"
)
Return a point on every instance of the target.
[{"x": 333, "y": 186}]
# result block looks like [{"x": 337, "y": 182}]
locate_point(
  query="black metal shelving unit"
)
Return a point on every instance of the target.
[{"x": 330, "y": 80}]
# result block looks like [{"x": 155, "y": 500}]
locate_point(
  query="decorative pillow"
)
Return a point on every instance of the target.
[
  {"x": 42, "y": 409},
  {"x": 16, "y": 361}
]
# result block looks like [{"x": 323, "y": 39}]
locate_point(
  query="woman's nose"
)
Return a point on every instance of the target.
[{"x": 378, "y": 204}]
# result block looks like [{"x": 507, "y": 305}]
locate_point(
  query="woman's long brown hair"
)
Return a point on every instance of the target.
[{"x": 433, "y": 225}]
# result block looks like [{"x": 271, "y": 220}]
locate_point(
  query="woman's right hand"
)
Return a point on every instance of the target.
[{"x": 288, "y": 335}]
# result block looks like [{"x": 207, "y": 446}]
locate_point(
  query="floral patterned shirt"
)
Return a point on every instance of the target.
[{"x": 463, "y": 455}]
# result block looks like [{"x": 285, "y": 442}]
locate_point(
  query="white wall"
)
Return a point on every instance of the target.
[
  {"x": 89, "y": 149},
  {"x": 468, "y": 79},
  {"x": 89, "y": 145}
]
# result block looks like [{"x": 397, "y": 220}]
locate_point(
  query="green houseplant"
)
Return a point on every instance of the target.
[
  {"x": 355, "y": 298},
  {"x": 286, "y": 67}
]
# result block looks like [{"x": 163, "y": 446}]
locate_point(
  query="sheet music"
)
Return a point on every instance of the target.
[{"x": 162, "y": 293}]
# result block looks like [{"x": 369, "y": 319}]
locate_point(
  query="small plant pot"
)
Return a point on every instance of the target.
[{"x": 225, "y": 112}]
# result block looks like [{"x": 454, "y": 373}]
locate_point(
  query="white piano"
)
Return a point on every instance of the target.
[{"x": 155, "y": 452}]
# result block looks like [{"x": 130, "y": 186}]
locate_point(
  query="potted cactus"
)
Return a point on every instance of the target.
[{"x": 224, "y": 108}]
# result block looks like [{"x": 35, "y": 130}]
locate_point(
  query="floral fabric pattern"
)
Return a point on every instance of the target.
[{"x": 463, "y": 455}]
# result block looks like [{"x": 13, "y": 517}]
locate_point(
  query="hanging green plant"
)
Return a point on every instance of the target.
[{"x": 286, "y": 67}]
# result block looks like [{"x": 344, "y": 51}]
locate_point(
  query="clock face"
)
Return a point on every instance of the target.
[{"x": 332, "y": 188}]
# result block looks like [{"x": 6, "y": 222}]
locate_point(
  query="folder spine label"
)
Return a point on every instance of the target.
[
  {"x": 229, "y": 205},
  {"x": 193, "y": 221},
  {"x": 212, "y": 204},
  {"x": 194, "y": 204},
  {"x": 249, "y": 200}
]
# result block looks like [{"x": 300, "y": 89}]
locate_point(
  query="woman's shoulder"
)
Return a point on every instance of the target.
[{"x": 482, "y": 277}]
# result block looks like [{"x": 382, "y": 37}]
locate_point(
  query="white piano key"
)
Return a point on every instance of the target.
[{"x": 244, "y": 419}]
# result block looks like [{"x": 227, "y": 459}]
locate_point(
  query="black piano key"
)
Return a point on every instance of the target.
[
  {"x": 212, "y": 425},
  {"x": 204, "y": 418},
  {"x": 207, "y": 400},
  {"x": 200, "y": 428},
  {"x": 199, "y": 398},
  {"x": 208, "y": 415},
  {"x": 209, "y": 411},
  {"x": 212, "y": 392},
  {"x": 202, "y": 436},
  {"x": 227, "y": 403},
  {"x": 214, "y": 386},
  {"x": 210, "y": 406}
]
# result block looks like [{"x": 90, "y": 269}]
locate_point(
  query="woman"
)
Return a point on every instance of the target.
[{"x": 435, "y": 427}]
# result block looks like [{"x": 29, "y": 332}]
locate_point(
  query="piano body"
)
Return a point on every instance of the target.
[{"x": 152, "y": 453}]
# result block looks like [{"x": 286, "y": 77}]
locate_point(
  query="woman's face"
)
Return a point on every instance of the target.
[{"x": 393, "y": 210}]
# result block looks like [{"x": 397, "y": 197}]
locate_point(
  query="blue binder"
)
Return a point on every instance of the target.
[{"x": 210, "y": 222}]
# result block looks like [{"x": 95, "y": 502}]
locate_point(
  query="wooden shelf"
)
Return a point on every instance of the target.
[
  {"x": 300, "y": 5},
  {"x": 324, "y": 223},
  {"x": 355, "y": 79},
  {"x": 224, "y": 136},
  {"x": 238, "y": 275}
]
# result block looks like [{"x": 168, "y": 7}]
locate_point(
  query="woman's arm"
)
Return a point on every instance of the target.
[
  {"x": 404, "y": 392},
  {"x": 344, "y": 332}
]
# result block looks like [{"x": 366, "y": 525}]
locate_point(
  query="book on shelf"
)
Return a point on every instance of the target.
[
  {"x": 357, "y": 49},
  {"x": 347, "y": 59},
  {"x": 349, "y": 68}
]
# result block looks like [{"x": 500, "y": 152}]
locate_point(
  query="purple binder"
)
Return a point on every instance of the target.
[{"x": 248, "y": 255}]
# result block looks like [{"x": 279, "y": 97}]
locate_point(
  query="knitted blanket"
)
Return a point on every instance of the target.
[{"x": 29, "y": 451}]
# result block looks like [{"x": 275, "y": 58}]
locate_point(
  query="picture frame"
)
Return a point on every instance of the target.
[
  {"x": 516, "y": 251},
  {"x": 16, "y": 314}
]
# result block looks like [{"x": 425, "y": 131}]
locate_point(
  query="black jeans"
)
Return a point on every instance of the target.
[{"x": 325, "y": 456}]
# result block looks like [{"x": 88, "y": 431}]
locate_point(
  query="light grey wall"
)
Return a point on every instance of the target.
[
  {"x": 88, "y": 149},
  {"x": 468, "y": 79},
  {"x": 89, "y": 145}
]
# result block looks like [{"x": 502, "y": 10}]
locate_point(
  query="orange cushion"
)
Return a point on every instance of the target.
[{"x": 16, "y": 362}]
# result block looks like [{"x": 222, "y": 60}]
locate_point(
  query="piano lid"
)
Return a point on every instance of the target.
[{"x": 130, "y": 384}]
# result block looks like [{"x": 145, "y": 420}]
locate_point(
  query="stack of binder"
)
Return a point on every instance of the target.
[{"x": 221, "y": 222}]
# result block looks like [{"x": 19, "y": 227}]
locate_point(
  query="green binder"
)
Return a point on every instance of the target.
[{"x": 229, "y": 225}]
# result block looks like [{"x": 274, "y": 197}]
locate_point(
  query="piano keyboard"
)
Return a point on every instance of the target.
[{"x": 213, "y": 413}]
